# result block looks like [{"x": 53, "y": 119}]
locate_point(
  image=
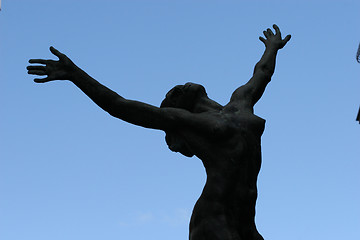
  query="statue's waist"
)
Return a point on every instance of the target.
[
  {"x": 214, "y": 199},
  {"x": 239, "y": 213}
]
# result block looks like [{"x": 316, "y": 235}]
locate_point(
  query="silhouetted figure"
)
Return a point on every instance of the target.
[{"x": 226, "y": 138}]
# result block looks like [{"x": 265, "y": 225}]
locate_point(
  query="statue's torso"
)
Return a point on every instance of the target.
[{"x": 232, "y": 158}]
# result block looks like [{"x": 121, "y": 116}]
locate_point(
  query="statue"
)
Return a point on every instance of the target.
[{"x": 225, "y": 138}]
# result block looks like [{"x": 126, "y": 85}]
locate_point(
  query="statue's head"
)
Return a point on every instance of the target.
[{"x": 185, "y": 97}]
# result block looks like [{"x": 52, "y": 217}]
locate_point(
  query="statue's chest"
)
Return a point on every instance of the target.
[{"x": 239, "y": 139}]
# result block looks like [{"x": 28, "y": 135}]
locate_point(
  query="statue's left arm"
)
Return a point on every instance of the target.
[{"x": 248, "y": 94}]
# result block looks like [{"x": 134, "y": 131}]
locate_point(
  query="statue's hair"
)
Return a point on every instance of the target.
[{"x": 175, "y": 142}]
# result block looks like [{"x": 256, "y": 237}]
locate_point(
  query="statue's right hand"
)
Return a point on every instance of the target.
[
  {"x": 62, "y": 69},
  {"x": 274, "y": 40}
]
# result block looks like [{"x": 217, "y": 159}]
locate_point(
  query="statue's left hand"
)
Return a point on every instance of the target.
[
  {"x": 55, "y": 70},
  {"x": 274, "y": 40}
]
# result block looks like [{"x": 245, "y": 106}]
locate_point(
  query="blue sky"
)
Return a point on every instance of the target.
[{"x": 70, "y": 171}]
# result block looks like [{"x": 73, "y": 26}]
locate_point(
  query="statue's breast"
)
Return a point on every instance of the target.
[{"x": 246, "y": 123}]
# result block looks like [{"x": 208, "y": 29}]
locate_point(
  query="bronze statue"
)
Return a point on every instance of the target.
[{"x": 225, "y": 138}]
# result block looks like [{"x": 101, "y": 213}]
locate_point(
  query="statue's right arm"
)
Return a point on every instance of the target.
[
  {"x": 134, "y": 112},
  {"x": 248, "y": 94}
]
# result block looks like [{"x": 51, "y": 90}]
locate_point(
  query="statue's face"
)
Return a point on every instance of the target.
[{"x": 184, "y": 96}]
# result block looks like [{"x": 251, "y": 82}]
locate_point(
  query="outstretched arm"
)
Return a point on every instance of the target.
[
  {"x": 252, "y": 91},
  {"x": 134, "y": 112}
]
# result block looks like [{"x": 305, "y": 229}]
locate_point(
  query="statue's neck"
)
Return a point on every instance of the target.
[{"x": 205, "y": 104}]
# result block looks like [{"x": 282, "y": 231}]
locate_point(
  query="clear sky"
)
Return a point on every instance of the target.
[{"x": 71, "y": 171}]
